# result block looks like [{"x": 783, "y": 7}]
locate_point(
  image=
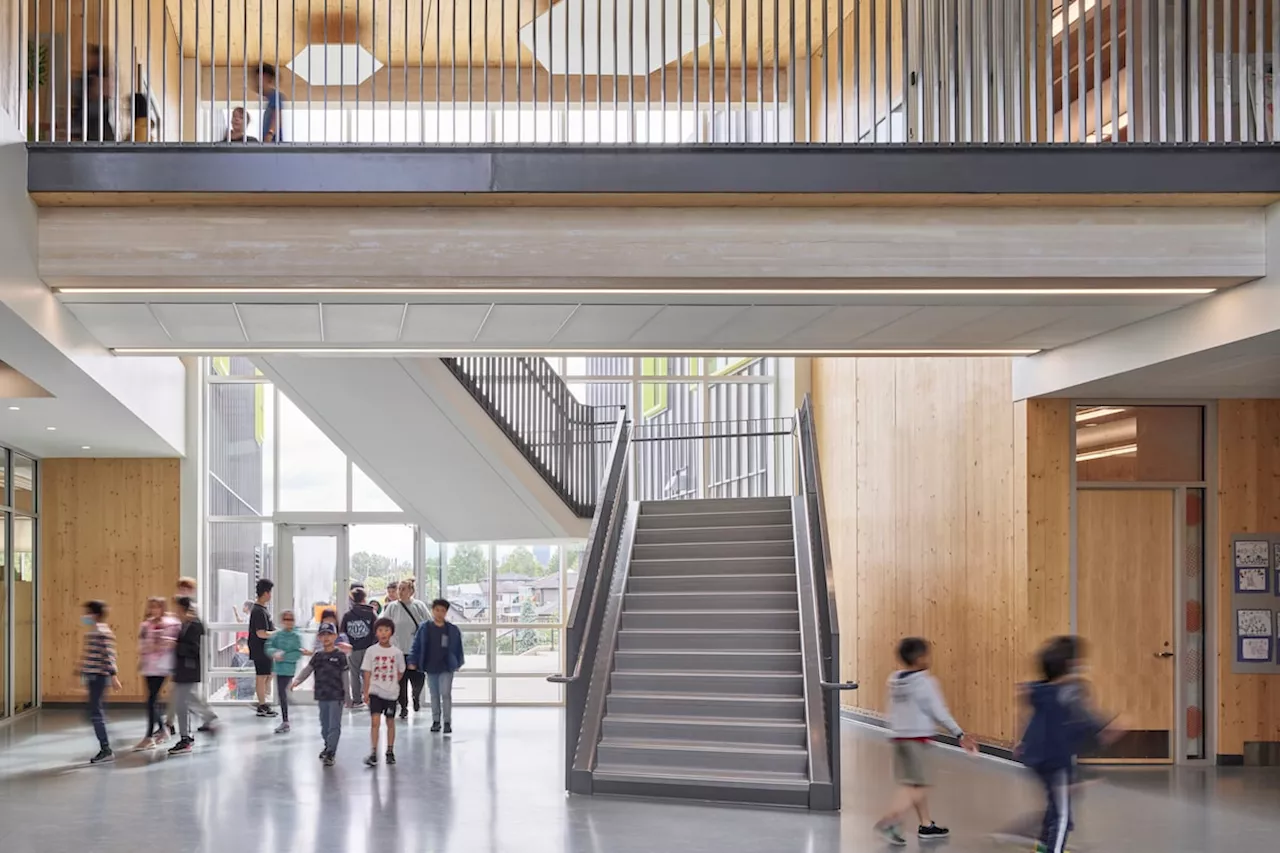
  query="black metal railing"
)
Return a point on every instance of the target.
[
  {"x": 565, "y": 440},
  {"x": 718, "y": 459}
]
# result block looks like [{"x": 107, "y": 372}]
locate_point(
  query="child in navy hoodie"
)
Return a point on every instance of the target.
[{"x": 1062, "y": 724}]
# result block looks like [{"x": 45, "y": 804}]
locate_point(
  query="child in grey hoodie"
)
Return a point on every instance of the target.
[{"x": 916, "y": 711}]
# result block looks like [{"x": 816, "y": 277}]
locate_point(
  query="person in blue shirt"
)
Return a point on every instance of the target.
[
  {"x": 437, "y": 651},
  {"x": 273, "y": 104},
  {"x": 1062, "y": 725}
]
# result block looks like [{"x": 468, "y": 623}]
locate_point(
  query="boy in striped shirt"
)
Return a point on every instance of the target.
[{"x": 98, "y": 669}]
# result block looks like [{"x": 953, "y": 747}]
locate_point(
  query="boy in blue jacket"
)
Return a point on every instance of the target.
[
  {"x": 1062, "y": 724},
  {"x": 437, "y": 651}
]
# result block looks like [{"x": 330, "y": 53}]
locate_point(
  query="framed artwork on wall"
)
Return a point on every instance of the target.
[
  {"x": 1254, "y": 650},
  {"x": 1253, "y": 623},
  {"x": 1253, "y": 579},
  {"x": 1253, "y": 553}
]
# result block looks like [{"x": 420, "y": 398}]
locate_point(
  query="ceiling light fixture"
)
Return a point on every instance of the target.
[
  {"x": 1098, "y": 412},
  {"x": 85, "y": 447},
  {"x": 51, "y": 429},
  {"x": 632, "y": 351},
  {"x": 727, "y": 290},
  {"x": 13, "y": 408},
  {"x": 1122, "y": 450}
]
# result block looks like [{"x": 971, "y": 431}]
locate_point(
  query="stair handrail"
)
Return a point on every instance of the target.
[
  {"x": 817, "y": 547},
  {"x": 586, "y": 615},
  {"x": 576, "y": 424}
]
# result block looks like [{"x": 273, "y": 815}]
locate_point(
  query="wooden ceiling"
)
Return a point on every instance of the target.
[{"x": 406, "y": 32}]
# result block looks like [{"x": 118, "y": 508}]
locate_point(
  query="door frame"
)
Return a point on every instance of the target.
[
  {"x": 1209, "y": 560},
  {"x": 285, "y": 534}
]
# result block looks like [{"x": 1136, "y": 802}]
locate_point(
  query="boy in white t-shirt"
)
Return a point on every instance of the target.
[{"x": 382, "y": 667}]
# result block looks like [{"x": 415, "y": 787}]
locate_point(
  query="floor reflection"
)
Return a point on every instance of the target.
[{"x": 496, "y": 786}]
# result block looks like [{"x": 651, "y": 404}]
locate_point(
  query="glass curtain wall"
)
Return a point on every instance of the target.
[
  {"x": 19, "y": 525},
  {"x": 267, "y": 464}
]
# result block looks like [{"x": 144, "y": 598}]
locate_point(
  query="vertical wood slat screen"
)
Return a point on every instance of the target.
[{"x": 618, "y": 72}]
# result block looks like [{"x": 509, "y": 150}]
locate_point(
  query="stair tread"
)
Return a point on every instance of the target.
[
  {"x": 752, "y": 613},
  {"x": 731, "y": 722},
  {"x": 727, "y": 652},
  {"x": 709, "y": 559},
  {"x": 725, "y": 778},
  {"x": 703, "y": 673},
  {"x": 725, "y": 592},
  {"x": 701, "y": 746},
  {"x": 718, "y": 697},
  {"x": 709, "y": 630}
]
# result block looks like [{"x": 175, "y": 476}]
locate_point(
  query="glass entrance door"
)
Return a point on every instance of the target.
[{"x": 313, "y": 578}]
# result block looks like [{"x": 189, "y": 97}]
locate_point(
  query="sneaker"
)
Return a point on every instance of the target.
[
  {"x": 416, "y": 706},
  {"x": 145, "y": 743},
  {"x": 182, "y": 747},
  {"x": 327, "y": 759},
  {"x": 267, "y": 711},
  {"x": 173, "y": 730},
  {"x": 932, "y": 831},
  {"x": 104, "y": 755},
  {"x": 391, "y": 756},
  {"x": 209, "y": 728},
  {"x": 891, "y": 835},
  {"x": 448, "y": 728},
  {"x": 161, "y": 738},
  {"x": 356, "y": 706},
  {"x": 435, "y": 727},
  {"x": 371, "y": 759},
  {"x": 282, "y": 729},
  {"x": 404, "y": 713}
]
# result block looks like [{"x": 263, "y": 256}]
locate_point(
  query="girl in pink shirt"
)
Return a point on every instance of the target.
[{"x": 157, "y": 636}]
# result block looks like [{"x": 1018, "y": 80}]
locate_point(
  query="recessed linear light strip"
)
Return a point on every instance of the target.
[
  {"x": 641, "y": 351},
  {"x": 1100, "y": 412},
  {"x": 1122, "y": 450},
  {"x": 633, "y": 291}
]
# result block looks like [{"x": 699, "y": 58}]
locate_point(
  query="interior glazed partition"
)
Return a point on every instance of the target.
[{"x": 644, "y": 72}]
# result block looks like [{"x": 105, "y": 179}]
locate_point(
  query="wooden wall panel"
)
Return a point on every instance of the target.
[
  {"x": 1047, "y": 508},
  {"x": 1248, "y": 502},
  {"x": 109, "y": 530},
  {"x": 919, "y": 469}
]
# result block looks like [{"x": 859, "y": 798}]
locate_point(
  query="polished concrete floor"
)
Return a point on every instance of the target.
[{"x": 495, "y": 786}]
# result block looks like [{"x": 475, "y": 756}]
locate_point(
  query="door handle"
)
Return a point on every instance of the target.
[{"x": 1164, "y": 654}]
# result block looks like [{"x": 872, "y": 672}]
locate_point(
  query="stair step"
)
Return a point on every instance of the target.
[
  {"x": 712, "y": 583},
  {"x": 736, "y": 518},
  {"x": 714, "y": 563},
  {"x": 732, "y": 533},
  {"x": 788, "y": 684},
  {"x": 701, "y": 756},
  {"x": 711, "y": 600},
  {"x": 725, "y": 620},
  {"x": 686, "y": 507},
  {"x": 674, "y": 660},
  {"x": 675, "y": 639},
  {"x": 699, "y": 550},
  {"x": 752, "y": 732},
  {"x": 772, "y": 789},
  {"x": 723, "y": 706}
]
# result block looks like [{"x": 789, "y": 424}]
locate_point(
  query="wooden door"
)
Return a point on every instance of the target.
[{"x": 1125, "y": 580}]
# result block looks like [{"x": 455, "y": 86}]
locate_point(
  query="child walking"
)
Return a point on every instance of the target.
[
  {"x": 383, "y": 668},
  {"x": 916, "y": 710},
  {"x": 437, "y": 651},
  {"x": 330, "y": 667},
  {"x": 1062, "y": 723},
  {"x": 187, "y": 675},
  {"x": 98, "y": 669},
  {"x": 285, "y": 648},
  {"x": 157, "y": 636}
]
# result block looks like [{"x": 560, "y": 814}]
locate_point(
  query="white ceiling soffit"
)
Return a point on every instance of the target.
[
  {"x": 989, "y": 322},
  {"x": 563, "y": 39},
  {"x": 335, "y": 64}
]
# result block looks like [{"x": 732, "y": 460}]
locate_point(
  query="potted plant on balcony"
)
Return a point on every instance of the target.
[{"x": 37, "y": 76}]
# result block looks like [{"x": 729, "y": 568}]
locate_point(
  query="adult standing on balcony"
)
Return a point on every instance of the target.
[
  {"x": 273, "y": 104},
  {"x": 407, "y": 613}
]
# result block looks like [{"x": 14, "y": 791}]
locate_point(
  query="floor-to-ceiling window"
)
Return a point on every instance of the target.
[
  {"x": 19, "y": 687},
  {"x": 283, "y": 502}
]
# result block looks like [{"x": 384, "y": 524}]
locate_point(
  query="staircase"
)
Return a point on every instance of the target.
[{"x": 706, "y": 694}]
